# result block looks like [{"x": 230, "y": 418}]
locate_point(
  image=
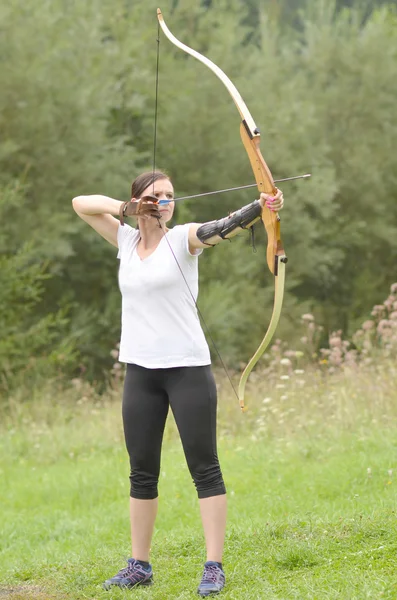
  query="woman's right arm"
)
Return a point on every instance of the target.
[{"x": 97, "y": 211}]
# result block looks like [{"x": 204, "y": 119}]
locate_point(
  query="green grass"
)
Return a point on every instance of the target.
[{"x": 306, "y": 519}]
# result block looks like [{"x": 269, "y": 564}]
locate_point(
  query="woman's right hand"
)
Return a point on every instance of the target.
[{"x": 145, "y": 208}]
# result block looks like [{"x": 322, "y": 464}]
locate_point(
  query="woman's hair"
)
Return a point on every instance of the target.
[{"x": 144, "y": 180}]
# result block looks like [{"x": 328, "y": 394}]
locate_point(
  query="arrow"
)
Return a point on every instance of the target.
[{"x": 233, "y": 189}]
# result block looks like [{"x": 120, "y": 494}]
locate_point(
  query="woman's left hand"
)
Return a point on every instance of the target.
[{"x": 274, "y": 203}]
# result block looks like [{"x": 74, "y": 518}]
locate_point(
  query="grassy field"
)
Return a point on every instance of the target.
[{"x": 309, "y": 472}]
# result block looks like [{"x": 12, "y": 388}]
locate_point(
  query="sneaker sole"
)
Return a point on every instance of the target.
[{"x": 108, "y": 586}]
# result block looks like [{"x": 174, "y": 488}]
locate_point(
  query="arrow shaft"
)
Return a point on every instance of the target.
[{"x": 233, "y": 189}]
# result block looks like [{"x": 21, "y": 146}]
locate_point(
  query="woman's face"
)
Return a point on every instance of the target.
[{"x": 164, "y": 191}]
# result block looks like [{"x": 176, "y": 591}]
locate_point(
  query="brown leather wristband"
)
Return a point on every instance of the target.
[
  {"x": 121, "y": 212},
  {"x": 145, "y": 207}
]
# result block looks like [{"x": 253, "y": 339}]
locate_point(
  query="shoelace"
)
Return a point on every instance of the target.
[
  {"x": 124, "y": 571},
  {"x": 210, "y": 574},
  {"x": 133, "y": 571}
]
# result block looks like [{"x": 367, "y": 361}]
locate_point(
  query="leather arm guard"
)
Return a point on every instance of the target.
[{"x": 215, "y": 231}]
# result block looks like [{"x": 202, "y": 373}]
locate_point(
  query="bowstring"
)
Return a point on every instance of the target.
[
  {"x": 156, "y": 102},
  {"x": 163, "y": 229}
]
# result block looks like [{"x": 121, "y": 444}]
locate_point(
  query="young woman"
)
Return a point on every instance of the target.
[{"x": 167, "y": 357}]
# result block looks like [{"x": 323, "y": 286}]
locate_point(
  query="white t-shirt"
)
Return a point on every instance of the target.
[{"x": 160, "y": 327}]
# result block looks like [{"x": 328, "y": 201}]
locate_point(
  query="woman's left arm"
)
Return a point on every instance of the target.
[{"x": 206, "y": 235}]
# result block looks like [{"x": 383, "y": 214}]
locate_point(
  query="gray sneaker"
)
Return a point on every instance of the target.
[
  {"x": 132, "y": 575},
  {"x": 213, "y": 579}
]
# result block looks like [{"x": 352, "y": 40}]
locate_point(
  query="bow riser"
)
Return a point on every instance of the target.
[{"x": 265, "y": 183}]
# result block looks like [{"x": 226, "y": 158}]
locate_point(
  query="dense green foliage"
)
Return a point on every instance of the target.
[{"x": 77, "y": 117}]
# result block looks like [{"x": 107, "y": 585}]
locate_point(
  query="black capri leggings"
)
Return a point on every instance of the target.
[{"x": 191, "y": 393}]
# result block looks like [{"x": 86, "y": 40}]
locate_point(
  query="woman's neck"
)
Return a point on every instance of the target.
[{"x": 151, "y": 232}]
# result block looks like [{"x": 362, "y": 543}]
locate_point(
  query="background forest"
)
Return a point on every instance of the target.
[{"x": 77, "y": 109}]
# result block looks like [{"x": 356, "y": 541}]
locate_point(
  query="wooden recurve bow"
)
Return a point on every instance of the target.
[{"x": 275, "y": 255}]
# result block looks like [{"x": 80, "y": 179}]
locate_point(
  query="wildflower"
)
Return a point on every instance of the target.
[
  {"x": 382, "y": 325},
  {"x": 280, "y": 386},
  {"x": 299, "y": 371},
  {"x": 114, "y": 353},
  {"x": 335, "y": 339},
  {"x": 284, "y": 377},
  {"x": 336, "y": 360},
  {"x": 369, "y": 472},
  {"x": 367, "y": 325},
  {"x": 387, "y": 333},
  {"x": 266, "y": 400},
  {"x": 393, "y": 288},
  {"x": 393, "y": 315},
  {"x": 351, "y": 356},
  {"x": 390, "y": 473},
  {"x": 325, "y": 351},
  {"x": 304, "y": 340},
  {"x": 336, "y": 353},
  {"x": 377, "y": 310},
  {"x": 307, "y": 317},
  {"x": 285, "y": 362}
]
